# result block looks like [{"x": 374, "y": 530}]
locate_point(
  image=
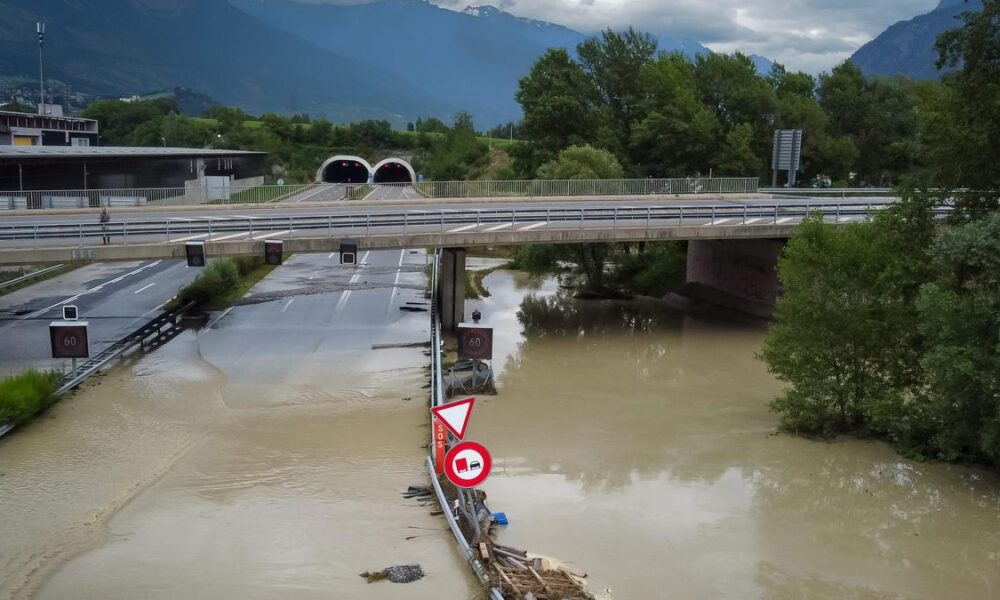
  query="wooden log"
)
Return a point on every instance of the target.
[
  {"x": 538, "y": 578},
  {"x": 509, "y": 582},
  {"x": 523, "y": 553},
  {"x": 484, "y": 551},
  {"x": 503, "y": 552}
]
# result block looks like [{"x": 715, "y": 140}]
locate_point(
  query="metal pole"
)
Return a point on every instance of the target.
[
  {"x": 40, "y": 28},
  {"x": 20, "y": 176}
]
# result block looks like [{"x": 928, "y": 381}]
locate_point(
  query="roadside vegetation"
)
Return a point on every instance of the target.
[
  {"x": 891, "y": 329},
  {"x": 39, "y": 278},
  {"x": 24, "y": 396},
  {"x": 223, "y": 281}
]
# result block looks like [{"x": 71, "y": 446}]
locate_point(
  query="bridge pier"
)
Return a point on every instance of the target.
[
  {"x": 737, "y": 274},
  {"x": 451, "y": 283}
]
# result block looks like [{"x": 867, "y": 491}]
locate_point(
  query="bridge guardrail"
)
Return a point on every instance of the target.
[
  {"x": 195, "y": 195},
  {"x": 140, "y": 231}
]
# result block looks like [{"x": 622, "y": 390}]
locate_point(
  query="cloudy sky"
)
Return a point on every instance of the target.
[{"x": 810, "y": 35}]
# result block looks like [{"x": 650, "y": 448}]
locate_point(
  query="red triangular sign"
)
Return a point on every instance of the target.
[{"x": 455, "y": 415}]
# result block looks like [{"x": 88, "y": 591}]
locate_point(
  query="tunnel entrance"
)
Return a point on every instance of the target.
[
  {"x": 344, "y": 169},
  {"x": 393, "y": 170},
  {"x": 345, "y": 172}
]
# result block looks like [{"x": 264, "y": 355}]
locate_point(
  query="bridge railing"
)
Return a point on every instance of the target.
[
  {"x": 587, "y": 187},
  {"x": 195, "y": 195}
]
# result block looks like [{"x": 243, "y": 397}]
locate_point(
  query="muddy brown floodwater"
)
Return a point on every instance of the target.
[{"x": 638, "y": 445}]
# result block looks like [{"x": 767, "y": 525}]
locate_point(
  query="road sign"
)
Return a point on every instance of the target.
[
  {"x": 468, "y": 464},
  {"x": 455, "y": 415},
  {"x": 281, "y": 181},
  {"x": 69, "y": 339},
  {"x": 273, "y": 250},
  {"x": 195, "y": 254},
  {"x": 475, "y": 342},
  {"x": 70, "y": 313},
  {"x": 440, "y": 441},
  {"x": 348, "y": 251}
]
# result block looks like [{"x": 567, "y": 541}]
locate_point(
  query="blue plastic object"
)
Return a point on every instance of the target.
[{"x": 500, "y": 518}]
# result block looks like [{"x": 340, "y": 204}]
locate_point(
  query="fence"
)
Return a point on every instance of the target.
[{"x": 198, "y": 195}]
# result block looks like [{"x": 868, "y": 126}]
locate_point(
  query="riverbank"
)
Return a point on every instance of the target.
[{"x": 650, "y": 460}]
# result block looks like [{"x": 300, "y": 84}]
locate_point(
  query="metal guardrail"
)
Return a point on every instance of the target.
[
  {"x": 29, "y": 276},
  {"x": 210, "y": 194},
  {"x": 145, "y": 231},
  {"x": 151, "y": 197},
  {"x": 438, "y": 399}
]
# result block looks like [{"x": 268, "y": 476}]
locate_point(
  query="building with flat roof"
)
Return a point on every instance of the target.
[
  {"x": 27, "y": 129},
  {"x": 33, "y": 168}
]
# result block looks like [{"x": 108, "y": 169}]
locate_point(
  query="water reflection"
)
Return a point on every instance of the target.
[{"x": 639, "y": 444}]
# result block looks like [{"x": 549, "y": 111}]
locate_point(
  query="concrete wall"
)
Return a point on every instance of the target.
[{"x": 738, "y": 274}]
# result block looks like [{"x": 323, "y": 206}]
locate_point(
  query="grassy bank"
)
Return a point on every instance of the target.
[
  {"x": 24, "y": 396},
  {"x": 39, "y": 278},
  {"x": 223, "y": 282}
]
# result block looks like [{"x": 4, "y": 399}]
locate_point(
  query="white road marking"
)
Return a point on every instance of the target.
[
  {"x": 465, "y": 228},
  {"x": 229, "y": 237},
  {"x": 395, "y": 283},
  {"x": 287, "y": 304},
  {"x": 535, "y": 226},
  {"x": 186, "y": 220},
  {"x": 499, "y": 227},
  {"x": 717, "y": 222},
  {"x": 90, "y": 291},
  {"x": 752, "y": 221},
  {"x": 190, "y": 237},
  {"x": 144, "y": 288},
  {"x": 332, "y": 254},
  {"x": 271, "y": 234},
  {"x": 347, "y": 294},
  {"x": 785, "y": 220}
]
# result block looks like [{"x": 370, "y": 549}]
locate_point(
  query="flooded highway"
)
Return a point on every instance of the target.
[{"x": 264, "y": 456}]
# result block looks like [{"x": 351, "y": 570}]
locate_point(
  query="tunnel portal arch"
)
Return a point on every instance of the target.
[
  {"x": 344, "y": 169},
  {"x": 393, "y": 170}
]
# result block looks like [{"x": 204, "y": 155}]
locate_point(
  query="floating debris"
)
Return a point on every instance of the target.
[{"x": 396, "y": 574}]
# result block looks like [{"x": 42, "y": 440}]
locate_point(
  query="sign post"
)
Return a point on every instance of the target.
[
  {"x": 786, "y": 154},
  {"x": 468, "y": 464},
  {"x": 440, "y": 443},
  {"x": 273, "y": 252},
  {"x": 69, "y": 339},
  {"x": 195, "y": 252},
  {"x": 348, "y": 251}
]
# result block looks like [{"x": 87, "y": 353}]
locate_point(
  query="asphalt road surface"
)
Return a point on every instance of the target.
[{"x": 114, "y": 298}]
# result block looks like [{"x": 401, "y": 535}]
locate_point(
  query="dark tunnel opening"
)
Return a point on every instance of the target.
[
  {"x": 393, "y": 172},
  {"x": 345, "y": 171}
]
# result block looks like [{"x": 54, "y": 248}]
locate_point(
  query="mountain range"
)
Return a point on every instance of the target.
[
  {"x": 907, "y": 47},
  {"x": 387, "y": 59}
]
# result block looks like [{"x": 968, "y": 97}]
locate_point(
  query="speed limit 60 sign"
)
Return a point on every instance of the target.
[
  {"x": 69, "y": 339},
  {"x": 475, "y": 342}
]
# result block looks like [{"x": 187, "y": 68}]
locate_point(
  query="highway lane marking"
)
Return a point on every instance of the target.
[
  {"x": 465, "y": 228},
  {"x": 752, "y": 221},
  {"x": 347, "y": 294},
  {"x": 229, "y": 237},
  {"x": 717, "y": 222},
  {"x": 271, "y": 234},
  {"x": 785, "y": 220},
  {"x": 332, "y": 254},
  {"x": 144, "y": 288},
  {"x": 190, "y": 237},
  {"x": 535, "y": 226},
  {"x": 90, "y": 291},
  {"x": 499, "y": 227},
  {"x": 395, "y": 283},
  {"x": 287, "y": 304}
]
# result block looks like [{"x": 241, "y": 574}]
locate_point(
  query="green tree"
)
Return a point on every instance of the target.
[
  {"x": 737, "y": 157},
  {"x": 961, "y": 122},
  {"x": 613, "y": 63},
  {"x": 960, "y": 318},
  {"x": 559, "y": 103},
  {"x": 844, "y": 331},
  {"x": 118, "y": 120},
  {"x": 582, "y": 162},
  {"x": 677, "y": 136}
]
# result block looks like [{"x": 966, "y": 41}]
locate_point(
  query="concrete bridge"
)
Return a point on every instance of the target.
[{"x": 735, "y": 239}]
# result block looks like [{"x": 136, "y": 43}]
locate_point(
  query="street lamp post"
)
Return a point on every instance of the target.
[{"x": 40, "y": 28}]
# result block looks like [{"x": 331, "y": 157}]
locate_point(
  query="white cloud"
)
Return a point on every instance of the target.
[{"x": 810, "y": 35}]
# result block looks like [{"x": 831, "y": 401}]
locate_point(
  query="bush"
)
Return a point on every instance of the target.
[
  {"x": 26, "y": 395},
  {"x": 218, "y": 278}
]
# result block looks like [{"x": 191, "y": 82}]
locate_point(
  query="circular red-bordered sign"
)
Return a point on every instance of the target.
[{"x": 468, "y": 464}]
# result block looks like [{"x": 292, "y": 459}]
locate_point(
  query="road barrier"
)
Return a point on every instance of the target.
[
  {"x": 367, "y": 223},
  {"x": 195, "y": 195}
]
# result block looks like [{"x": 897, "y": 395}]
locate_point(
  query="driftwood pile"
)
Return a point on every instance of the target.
[{"x": 520, "y": 577}]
